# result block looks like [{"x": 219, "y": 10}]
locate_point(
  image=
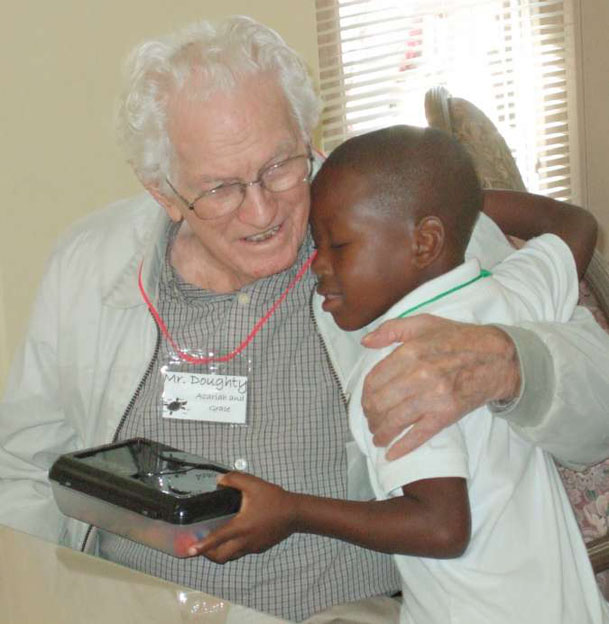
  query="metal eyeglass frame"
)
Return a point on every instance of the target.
[{"x": 244, "y": 185}]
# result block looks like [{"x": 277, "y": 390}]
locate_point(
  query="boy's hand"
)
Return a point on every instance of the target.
[
  {"x": 442, "y": 371},
  {"x": 266, "y": 518}
]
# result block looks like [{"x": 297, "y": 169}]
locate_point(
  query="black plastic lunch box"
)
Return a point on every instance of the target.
[{"x": 145, "y": 491}]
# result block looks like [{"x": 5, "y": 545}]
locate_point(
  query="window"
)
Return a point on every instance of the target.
[{"x": 511, "y": 58}]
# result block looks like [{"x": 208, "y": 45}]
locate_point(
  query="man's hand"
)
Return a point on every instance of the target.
[
  {"x": 442, "y": 371},
  {"x": 265, "y": 519}
]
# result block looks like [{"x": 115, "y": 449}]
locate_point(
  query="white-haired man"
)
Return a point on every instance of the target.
[{"x": 208, "y": 273}]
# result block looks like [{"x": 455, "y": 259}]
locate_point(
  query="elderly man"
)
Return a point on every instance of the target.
[{"x": 212, "y": 278}]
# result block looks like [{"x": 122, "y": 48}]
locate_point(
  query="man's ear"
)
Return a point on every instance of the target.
[
  {"x": 429, "y": 237},
  {"x": 174, "y": 213}
]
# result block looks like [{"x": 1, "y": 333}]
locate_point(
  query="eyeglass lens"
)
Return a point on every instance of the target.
[{"x": 278, "y": 178}]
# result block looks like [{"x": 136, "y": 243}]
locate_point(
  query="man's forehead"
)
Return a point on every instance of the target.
[
  {"x": 241, "y": 96},
  {"x": 231, "y": 131}
]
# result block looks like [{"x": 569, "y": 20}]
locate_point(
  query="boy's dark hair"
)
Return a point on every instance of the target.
[{"x": 417, "y": 172}]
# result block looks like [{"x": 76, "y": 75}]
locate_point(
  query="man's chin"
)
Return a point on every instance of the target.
[
  {"x": 261, "y": 262},
  {"x": 273, "y": 265}
]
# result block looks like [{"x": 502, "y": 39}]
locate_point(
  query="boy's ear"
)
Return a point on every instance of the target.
[
  {"x": 171, "y": 208},
  {"x": 429, "y": 237}
]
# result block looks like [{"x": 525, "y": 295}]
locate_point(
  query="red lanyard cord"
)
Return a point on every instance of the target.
[{"x": 257, "y": 327}]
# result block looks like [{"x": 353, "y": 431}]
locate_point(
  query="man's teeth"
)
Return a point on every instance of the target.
[{"x": 257, "y": 238}]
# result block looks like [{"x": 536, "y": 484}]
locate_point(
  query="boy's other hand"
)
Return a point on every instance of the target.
[
  {"x": 442, "y": 371},
  {"x": 265, "y": 519}
]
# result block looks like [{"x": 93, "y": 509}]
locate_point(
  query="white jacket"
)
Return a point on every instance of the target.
[{"x": 91, "y": 338}]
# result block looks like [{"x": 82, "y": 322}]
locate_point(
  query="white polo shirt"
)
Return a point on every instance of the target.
[{"x": 526, "y": 561}]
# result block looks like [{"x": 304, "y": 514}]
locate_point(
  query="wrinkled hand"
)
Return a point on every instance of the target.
[
  {"x": 442, "y": 371},
  {"x": 265, "y": 519}
]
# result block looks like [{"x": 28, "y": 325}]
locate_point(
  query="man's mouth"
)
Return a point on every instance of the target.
[{"x": 260, "y": 237}]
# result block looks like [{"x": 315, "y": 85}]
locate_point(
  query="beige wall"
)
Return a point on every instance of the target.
[
  {"x": 61, "y": 67},
  {"x": 592, "y": 21}
]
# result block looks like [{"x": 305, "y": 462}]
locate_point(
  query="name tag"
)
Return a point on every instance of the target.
[{"x": 204, "y": 397}]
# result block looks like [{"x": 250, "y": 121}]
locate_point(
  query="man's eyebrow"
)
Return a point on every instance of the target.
[{"x": 286, "y": 149}]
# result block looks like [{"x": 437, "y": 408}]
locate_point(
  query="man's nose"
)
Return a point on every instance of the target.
[{"x": 259, "y": 207}]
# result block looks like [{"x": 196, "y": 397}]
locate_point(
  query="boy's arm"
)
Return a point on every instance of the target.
[
  {"x": 525, "y": 216},
  {"x": 431, "y": 519}
]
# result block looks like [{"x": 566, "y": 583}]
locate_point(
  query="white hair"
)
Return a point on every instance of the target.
[{"x": 223, "y": 54}]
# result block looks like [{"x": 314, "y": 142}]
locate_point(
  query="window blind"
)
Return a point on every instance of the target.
[{"x": 511, "y": 58}]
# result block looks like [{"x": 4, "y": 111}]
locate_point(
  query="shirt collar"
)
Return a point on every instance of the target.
[
  {"x": 462, "y": 274},
  {"x": 150, "y": 237},
  {"x": 151, "y": 250}
]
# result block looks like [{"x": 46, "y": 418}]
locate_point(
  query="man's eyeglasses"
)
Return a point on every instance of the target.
[{"x": 226, "y": 198}]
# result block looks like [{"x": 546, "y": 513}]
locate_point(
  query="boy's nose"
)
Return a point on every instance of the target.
[{"x": 320, "y": 266}]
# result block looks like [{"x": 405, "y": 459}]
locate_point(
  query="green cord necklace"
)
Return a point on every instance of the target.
[{"x": 483, "y": 273}]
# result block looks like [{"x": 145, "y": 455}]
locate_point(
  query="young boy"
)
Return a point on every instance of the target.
[{"x": 478, "y": 520}]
